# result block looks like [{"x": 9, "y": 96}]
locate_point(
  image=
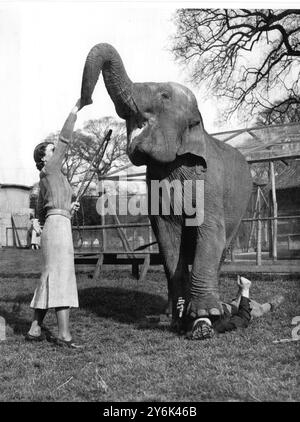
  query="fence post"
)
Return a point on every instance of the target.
[
  {"x": 104, "y": 237},
  {"x": 232, "y": 257},
  {"x": 275, "y": 221},
  {"x": 2, "y": 329},
  {"x": 259, "y": 223},
  {"x": 150, "y": 238},
  {"x": 270, "y": 226}
]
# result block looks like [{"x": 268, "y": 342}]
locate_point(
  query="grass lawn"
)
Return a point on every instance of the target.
[{"x": 126, "y": 361}]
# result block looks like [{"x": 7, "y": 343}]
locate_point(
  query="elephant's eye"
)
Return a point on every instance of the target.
[{"x": 165, "y": 95}]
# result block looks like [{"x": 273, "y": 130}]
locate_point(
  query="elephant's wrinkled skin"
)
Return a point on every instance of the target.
[{"x": 173, "y": 144}]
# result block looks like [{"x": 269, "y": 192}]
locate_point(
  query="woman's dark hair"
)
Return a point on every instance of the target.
[{"x": 39, "y": 153}]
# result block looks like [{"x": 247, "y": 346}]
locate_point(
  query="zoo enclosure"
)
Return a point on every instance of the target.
[
  {"x": 260, "y": 236},
  {"x": 260, "y": 226},
  {"x": 268, "y": 145}
]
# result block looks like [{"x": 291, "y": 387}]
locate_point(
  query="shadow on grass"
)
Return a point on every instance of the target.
[
  {"x": 18, "y": 324},
  {"x": 122, "y": 305}
]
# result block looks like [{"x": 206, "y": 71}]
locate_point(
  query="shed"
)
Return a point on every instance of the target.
[{"x": 14, "y": 214}]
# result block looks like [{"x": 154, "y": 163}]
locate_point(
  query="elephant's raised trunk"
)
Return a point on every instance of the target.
[{"x": 104, "y": 57}]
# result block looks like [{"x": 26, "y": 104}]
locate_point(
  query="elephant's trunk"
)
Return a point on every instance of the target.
[{"x": 106, "y": 58}]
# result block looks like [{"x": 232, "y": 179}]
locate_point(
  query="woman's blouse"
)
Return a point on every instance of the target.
[{"x": 55, "y": 190}]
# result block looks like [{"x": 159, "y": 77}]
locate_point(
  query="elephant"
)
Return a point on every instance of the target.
[{"x": 165, "y": 132}]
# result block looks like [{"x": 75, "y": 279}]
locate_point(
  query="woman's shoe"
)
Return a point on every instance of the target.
[
  {"x": 29, "y": 337},
  {"x": 67, "y": 343}
]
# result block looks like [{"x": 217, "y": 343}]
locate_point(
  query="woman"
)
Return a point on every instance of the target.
[
  {"x": 57, "y": 285},
  {"x": 35, "y": 233}
]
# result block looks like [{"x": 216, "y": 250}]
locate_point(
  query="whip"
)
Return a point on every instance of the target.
[{"x": 83, "y": 186}]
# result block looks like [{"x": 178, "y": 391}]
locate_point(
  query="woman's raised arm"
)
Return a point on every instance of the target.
[{"x": 65, "y": 137}]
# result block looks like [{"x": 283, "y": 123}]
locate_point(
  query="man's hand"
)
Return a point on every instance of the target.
[{"x": 75, "y": 207}]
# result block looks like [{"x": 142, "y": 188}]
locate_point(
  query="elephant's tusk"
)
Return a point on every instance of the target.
[{"x": 135, "y": 132}]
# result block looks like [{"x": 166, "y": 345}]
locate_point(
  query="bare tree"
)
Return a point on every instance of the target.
[
  {"x": 280, "y": 113},
  {"x": 87, "y": 141},
  {"x": 251, "y": 57}
]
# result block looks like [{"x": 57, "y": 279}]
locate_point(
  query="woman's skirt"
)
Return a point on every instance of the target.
[{"x": 57, "y": 285}]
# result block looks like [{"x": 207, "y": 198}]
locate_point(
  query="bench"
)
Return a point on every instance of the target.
[{"x": 135, "y": 259}]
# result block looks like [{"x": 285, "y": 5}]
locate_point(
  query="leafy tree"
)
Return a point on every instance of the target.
[{"x": 250, "y": 57}]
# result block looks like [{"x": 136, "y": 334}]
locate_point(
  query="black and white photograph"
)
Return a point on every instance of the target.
[{"x": 149, "y": 204}]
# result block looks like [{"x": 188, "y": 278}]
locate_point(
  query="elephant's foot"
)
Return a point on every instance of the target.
[
  {"x": 204, "y": 306},
  {"x": 168, "y": 311},
  {"x": 177, "y": 326},
  {"x": 200, "y": 312}
]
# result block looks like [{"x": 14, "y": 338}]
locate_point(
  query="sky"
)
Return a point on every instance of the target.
[{"x": 43, "y": 47}]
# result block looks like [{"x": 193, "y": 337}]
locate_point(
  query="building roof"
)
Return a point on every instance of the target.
[
  {"x": 14, "y": 186},
  {"x": 265, "y": 143}
]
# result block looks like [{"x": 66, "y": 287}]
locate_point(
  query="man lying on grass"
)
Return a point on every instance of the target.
[{"x": 236, "y": 315}]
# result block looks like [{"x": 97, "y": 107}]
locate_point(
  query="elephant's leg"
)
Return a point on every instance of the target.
[
  {"x": 204, "y": 290},
  {"x": 168, "y": 310},
  {"x": 170, "y": 240},
  {"x": 231, "y": 235},
  {"x": 178, "y": 278}
]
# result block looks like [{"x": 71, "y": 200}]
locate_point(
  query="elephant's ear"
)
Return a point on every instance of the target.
[{"x": 194, "y": 142}]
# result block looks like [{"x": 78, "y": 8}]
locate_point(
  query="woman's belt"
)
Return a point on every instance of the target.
[{"x": 58, "y": 211}]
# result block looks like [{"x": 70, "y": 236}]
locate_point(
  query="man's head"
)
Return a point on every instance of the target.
[{"x": 202, "y": 329}]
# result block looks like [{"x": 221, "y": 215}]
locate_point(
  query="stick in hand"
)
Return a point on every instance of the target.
[{"x": 82, "y": 189}]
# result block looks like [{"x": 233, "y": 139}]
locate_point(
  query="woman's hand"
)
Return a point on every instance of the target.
[
  {"x": 77, "y": 107},
  {"x": 75, "y": 207}
]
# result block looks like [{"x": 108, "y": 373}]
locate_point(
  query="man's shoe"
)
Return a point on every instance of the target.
[{"x": 243, "y": 282}]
